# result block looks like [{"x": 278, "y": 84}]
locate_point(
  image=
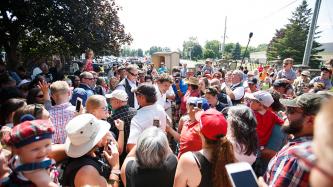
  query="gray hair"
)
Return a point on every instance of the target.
[
  {"x": 239, "y": 73},
  {"x": 152, "y": 148}
]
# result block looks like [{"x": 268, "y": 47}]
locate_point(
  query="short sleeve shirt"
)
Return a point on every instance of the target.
[{"x": 144, "y": 119}]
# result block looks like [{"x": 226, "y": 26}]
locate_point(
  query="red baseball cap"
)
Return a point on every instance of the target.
[{"x": 213, "y": 124}]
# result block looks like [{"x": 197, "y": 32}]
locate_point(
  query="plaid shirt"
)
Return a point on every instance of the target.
[
  {"x": 285, "y": 169},
  {"x": 60, "y": 116},
  {"x": 126, "y": 114}
]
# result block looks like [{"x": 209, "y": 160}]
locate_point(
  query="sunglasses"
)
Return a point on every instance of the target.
[
  {"x": 105, "y": 109},
  {"x": 132, "y": 74},
  {"x": 40, "y": 96},
  {"x": 293, "y": 110},
  {"x": 89, "y": 78}
]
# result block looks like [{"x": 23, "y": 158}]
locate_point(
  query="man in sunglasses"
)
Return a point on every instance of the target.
[
  {"x": 130, "y": 83},
  {"x": 284, "y": 168},
  {"x": 85, "y": 88}
]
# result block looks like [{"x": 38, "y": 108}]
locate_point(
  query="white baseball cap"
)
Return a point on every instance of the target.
[
  {"x": 263, "y": 97},
  {"x": 118, "y": 94}
]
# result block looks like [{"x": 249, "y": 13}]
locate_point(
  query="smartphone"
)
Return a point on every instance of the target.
[
  {"x": 78, "y": 104},
  {"x": 199, "y": 104},
  {"x": 241, "y": 174},
  {"x": 156, "y": 123}
]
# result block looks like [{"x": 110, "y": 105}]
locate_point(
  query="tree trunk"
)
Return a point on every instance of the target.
[{"x": 11, "y": 52}]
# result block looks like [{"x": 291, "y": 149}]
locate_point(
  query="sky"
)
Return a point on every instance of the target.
[{"x": 167, "y": 23}]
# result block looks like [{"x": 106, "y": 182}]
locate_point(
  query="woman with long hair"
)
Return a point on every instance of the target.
[
  {"x": 242, "y": 133},
  {"x": 207, "y": 166}
]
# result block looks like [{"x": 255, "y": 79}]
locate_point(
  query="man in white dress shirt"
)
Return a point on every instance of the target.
[{"x": 149, "y": 112}]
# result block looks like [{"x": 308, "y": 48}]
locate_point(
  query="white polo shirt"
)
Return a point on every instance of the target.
[{"x": 144, "y": 119}]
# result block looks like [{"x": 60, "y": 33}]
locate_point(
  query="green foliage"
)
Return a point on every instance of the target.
[
  {"x": 236, "y": 53},
  {"x": 209, "y": 53},
  {"x": 140, "y": 53},
  {"x": 188, "y": 45},
  {"x": 290, "y": 41},
  {"x": 212, "y": 49},
  {"x": 33, "y": 26},
  {"x": 196, "y": 52},
  {"x": 261, "y": 47}
]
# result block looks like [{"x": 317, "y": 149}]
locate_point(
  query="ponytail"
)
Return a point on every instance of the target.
[{"x": 223, "y": 154}]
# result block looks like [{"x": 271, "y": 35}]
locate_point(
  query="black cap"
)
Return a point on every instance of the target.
[
  {"x": 324, "y": 68},
  {"x": 146, "y": 90},
  {"x": 252, "y": 81},
  {"x": 280, "y": 83}
]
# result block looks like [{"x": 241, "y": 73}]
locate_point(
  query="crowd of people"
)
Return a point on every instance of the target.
[{"x": 140, "y": 125}]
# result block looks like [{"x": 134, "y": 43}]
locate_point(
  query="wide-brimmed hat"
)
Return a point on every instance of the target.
[
  {"x": 306, "y": 73},
  {"x": 83, "y": 133},
  {"x": 193, "y": 81}
]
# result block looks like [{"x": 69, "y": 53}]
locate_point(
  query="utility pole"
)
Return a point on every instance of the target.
[
  {"x": 309, "y": 42},
  {"x": 223, "y": 42}
]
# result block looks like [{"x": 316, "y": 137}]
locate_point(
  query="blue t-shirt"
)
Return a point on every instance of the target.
[{"x": 183, "y": 89}]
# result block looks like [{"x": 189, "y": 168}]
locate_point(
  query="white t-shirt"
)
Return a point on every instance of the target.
[
  {"x": 144, "y": 119},
  {"x": 161, "y": 98},
  {"x": 133, "y": 86},
  {"x": 239, "y": 92}
]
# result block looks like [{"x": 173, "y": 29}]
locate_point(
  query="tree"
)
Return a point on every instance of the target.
[
  {"x": 140, "y": 53},
  {"x": 209, "y": 53},
  {"x": 236, "y": 54},
  {"x": 70, "y": 26},
  {"x": 154, "y": 49},
  {"x": 212, "y": 49},
  {"x": 290, "y": 41},
  {"x": 196, "y": 52},
  {"x": 188, "y": 47},
  {"x": 261, "y": 47}
]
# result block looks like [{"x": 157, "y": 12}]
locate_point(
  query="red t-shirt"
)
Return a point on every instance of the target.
[
  {"x": 265, "y": 124},
  {"x": 189, "y": 138},
  {"x": 195, "y": 93}
]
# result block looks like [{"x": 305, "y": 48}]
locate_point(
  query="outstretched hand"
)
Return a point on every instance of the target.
[{"x": 44, "y": 86}]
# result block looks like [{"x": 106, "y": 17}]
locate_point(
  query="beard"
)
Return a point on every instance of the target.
[{"x": 294, "y": 126}]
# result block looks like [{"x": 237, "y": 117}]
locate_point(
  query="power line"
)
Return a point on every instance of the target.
[{"x": 273, "y": 13}]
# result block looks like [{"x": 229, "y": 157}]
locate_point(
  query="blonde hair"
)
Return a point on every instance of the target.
[
  {"x": 94, "y": 102},
  {"x": 59, "y": 87}
]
